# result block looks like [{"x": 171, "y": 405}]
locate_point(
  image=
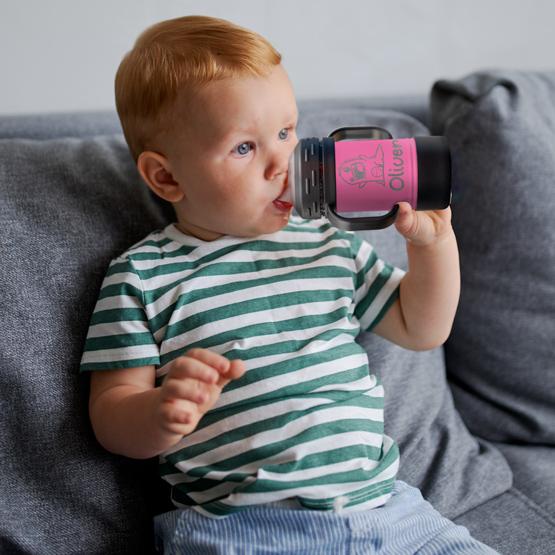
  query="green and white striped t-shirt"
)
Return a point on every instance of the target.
[{"x": 305, "y": 421}]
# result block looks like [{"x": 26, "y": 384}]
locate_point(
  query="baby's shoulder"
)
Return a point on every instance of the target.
[{"x": 153, "y": 247}]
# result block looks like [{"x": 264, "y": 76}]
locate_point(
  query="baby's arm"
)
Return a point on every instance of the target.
[
  {"x": 132, "y": 417},
  {"x": 422, "y": 317}
]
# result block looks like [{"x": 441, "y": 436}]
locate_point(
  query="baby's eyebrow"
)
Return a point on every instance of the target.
[
  {"x": 241, "y": 130},
  {"x": 229, "y": 133}
]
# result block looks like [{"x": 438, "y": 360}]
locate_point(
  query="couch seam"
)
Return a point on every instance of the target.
[
  {"x": 523, "y": 498},
  {"x": 532, "y": 505}
]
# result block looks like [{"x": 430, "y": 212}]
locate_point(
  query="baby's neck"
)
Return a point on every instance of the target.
[{"x": 198, "y": 232}]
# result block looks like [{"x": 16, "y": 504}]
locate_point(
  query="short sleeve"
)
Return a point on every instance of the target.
[
  {"x": 119, "y": 335},
  {"x": 376, "y": 284}
]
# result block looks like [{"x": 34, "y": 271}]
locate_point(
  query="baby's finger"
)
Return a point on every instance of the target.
[
  {"x": 195, "y": 391},
  {"x": 177, "y": 412},
  {"x": 405, "y": 222},
  {"x": 188, "y": 367},
  {"x": 211, "y": 358},
  {"x": 405, "y": 211},
  {"x": 236, "y": 370}
]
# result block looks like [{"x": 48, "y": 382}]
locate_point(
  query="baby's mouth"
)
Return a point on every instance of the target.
[
  {"x": 282, "y": 205},
  {"x": 283, "y": 201}
]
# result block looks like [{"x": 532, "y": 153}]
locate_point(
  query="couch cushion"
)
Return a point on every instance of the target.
[
  {"x": 59, "y": 125},
  {"x": 501, "y": 129},
  {"x": 533, "y": 472},
  {"x": 67, "y": 206},
  {"x": 512, "y": 524}
]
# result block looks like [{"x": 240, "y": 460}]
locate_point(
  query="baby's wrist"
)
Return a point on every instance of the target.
[
  {"x": 438, "y": 242},
  {"x": 441, "y": 245}
]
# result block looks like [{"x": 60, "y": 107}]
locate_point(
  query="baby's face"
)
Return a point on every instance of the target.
[{"x": 231, "y": 158}]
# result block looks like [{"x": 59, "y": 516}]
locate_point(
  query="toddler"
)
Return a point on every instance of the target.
[{"x": 225, "y": 342}]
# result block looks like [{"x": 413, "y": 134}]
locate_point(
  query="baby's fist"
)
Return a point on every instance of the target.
[
  {"x": 423, "y": 228},
  {"x": 192, "y": 386}
]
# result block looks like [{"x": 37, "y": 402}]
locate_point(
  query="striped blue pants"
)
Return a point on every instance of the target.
[{"x": 406, "y": 524}]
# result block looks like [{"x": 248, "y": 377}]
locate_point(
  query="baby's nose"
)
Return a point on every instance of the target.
[{"x": 276, "y": 169}]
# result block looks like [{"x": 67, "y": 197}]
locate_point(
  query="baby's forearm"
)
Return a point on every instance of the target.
[
  {"x": 429, "y": 293},
  {"x": 125, "y": 422},
  {"x": 131, "y": 417}
]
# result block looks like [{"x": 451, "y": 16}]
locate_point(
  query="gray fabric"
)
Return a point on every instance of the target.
[
  {"x": 415, "y": 106},
  {"x": 501, "y": 353},
  {"x": 93, "y": 123},
  {"x": 56, "y": 126},
  {"x": 512, "y": 524},
  {"x": 66, "y": 207},
  {"x": 534, "y": 473},
  {"x": 419, "y": 408},
  {"x": 317, "y": 121}
]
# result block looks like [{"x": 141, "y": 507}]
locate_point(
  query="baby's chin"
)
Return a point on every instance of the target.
[{"x": 265, "y": 226}]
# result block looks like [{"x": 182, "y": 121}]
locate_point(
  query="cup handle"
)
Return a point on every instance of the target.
[
  {"x": 369, "y": 222},
  {"x": 360, "y": 132},
  {"x": 360, "y": 224}
]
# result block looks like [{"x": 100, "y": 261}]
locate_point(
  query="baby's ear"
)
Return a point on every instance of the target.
[{"x": 155, "y": 171}]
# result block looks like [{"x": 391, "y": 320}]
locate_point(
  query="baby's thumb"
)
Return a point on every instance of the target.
[
  {"x": 405, "y": 221},
  {"x": 236, "y": 369}
]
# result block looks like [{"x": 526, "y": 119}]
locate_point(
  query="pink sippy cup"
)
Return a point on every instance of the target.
[{"x": 364, "y": 169}]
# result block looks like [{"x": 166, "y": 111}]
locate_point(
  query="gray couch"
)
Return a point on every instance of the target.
[{"x": 475, "y": 419}]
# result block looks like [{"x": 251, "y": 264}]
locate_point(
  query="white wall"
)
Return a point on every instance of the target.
[{"x": 60, "y": 55}]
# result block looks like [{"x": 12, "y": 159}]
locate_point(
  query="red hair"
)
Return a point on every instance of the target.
[{"x": 179, "y": 56}]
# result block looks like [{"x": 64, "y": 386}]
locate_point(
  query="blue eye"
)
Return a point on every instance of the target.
[
  {"x": 243, "y": 149},
  {"x": 283, "y": 134}
]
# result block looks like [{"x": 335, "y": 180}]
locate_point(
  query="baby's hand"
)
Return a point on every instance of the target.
[
  {"x": 192, "y": 386},
  {"x": 423, "y": 228}
]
